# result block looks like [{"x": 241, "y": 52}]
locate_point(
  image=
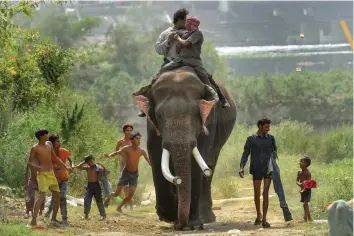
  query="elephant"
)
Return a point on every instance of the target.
[{"x": 185, "y": 124}]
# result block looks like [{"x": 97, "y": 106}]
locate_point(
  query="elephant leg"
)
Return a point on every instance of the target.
[
  {"x": 197, "y": 175},
  {"x": 207, "y": 148},
  {"x": 166, "y": 203},
  {"x": 205, "y": 202}
]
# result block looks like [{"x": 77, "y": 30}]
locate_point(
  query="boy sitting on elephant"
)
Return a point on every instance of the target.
[{"x": 189, "y": 51}]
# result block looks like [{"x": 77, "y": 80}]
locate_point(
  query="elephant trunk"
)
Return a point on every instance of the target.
[{"x": 181, "y": 154}]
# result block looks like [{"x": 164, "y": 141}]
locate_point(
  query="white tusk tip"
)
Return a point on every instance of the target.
[
  {"x": 207, "y": 172},
  {"x": 177, "y": 181}
]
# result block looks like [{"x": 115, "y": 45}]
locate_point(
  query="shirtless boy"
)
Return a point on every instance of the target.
[
  {"x": 41, "y": 157},
  {"x": 127, "y": 130},
  {"x": 93, "y": 188},
  {"x": 303, "y": 175},
  {"x": 129, "y": 174}
]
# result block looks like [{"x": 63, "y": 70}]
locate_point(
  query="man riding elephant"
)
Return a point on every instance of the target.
[
  {"x": 166, "y": 43},
  {"x": 186, "y": 130},
  {"x": 189, "y": 51}
]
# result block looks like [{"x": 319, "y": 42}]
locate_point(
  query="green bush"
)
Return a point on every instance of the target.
[
  {"x": 314, "y": 97},
  {"x": 335, "y": 182},
  {"x": 94, "y": 136},
  {"x": 225, "y": 188}
]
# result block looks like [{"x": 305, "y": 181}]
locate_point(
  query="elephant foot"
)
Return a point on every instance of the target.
[
  {"x": 167, "y": 220},
  {"x": 207, "y": 216},
  {"x": 195, "y": 224},
  {"x": 166, "y": 215},
  {"x": 178, "y": 227}
]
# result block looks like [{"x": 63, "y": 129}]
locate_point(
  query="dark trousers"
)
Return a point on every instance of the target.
[
  {"x": 94, "y": 190},
  {"x": 63, "y": 186},
  {"x": 201, "y": 72}
]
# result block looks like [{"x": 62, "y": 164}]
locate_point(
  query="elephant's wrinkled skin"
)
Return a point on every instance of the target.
[{"x": 174, "y": 110}]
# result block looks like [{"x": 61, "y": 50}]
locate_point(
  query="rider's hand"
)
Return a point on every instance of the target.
[
  {"x": 106, "y": 155},
  {"x": 241, "y": 173},
  {"x": 171, "y": 37},
  {"x": 176, "y": 36},
  {"x": 26, "y": 187}
]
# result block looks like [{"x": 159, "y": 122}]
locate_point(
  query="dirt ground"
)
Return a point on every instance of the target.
[{"x": 142, "y": 220}]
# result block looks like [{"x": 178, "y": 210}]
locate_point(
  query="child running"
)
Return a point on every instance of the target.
[
  {"x": 93, "y": 188},
  {"x": 127, "y": 130},
  {"x": 129, "y": 174},
  {"x": 303, "y": 175}
]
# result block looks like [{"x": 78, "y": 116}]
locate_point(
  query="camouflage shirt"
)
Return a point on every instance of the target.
[{"x": 194, "y": 50}]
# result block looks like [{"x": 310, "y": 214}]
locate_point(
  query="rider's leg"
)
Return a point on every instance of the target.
[
  {"x": 208, "y": 79},
  {"x": 164, "y": 68},
  {"x": 222, "y": 98}
]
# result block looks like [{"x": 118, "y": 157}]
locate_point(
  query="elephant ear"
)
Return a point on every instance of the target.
[
  {"x": 206, "y": 106},
  {"x": 143, "y": 104}
]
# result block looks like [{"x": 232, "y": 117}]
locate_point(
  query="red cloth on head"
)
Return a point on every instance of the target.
[
  {"x": 308, "y": 184},
  {"x": 193, "y": 22}
]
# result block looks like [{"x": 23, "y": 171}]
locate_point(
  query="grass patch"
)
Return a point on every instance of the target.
[
  {"x": 225, "y": 188},
  {"x": 19, "y": 230}
]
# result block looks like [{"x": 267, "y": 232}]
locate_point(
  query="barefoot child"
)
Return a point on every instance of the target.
[
  {"x": 129, "y": 174},
  {"x": 93, "y": 188},
  {"x": 302, "y": 176},
  {"x": 127, "y": 130},
  {"x": 41, "y": 157}
]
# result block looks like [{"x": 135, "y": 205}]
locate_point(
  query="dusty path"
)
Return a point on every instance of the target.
[{"x": 143, "y": 221}]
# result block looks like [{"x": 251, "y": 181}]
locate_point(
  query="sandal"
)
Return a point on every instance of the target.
[
  {"x": 257, "y": 222},
  {"x": 265, "y": 224}
]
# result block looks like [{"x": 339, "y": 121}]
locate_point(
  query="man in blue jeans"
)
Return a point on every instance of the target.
[
  {"x": 62, "y": 177},
  {"x": 262, "y": 148}
]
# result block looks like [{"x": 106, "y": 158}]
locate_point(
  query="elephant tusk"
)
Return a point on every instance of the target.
[
  {"x": 165, "y": 167},
  {"x": 206, "y": 170}
]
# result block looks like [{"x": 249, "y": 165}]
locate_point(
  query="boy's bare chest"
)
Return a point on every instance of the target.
[
  {"x": 303, "y": 176},
  {"x": 133, "y": 154}
]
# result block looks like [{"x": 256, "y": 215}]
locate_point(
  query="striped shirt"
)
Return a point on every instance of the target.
[{"x": 165, "y": 48}]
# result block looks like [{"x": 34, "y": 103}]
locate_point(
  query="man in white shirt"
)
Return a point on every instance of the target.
[{"x": 166, "y": 44}]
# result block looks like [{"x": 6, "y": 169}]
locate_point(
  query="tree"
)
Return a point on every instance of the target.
[
  {"x": 71, "y": 123},
  {"x": 31, "y": 70}
]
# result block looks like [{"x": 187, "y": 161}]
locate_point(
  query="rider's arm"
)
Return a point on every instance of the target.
[
  {"x": 162, "y": 45},
  {"x": 194, "y": 38}
]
